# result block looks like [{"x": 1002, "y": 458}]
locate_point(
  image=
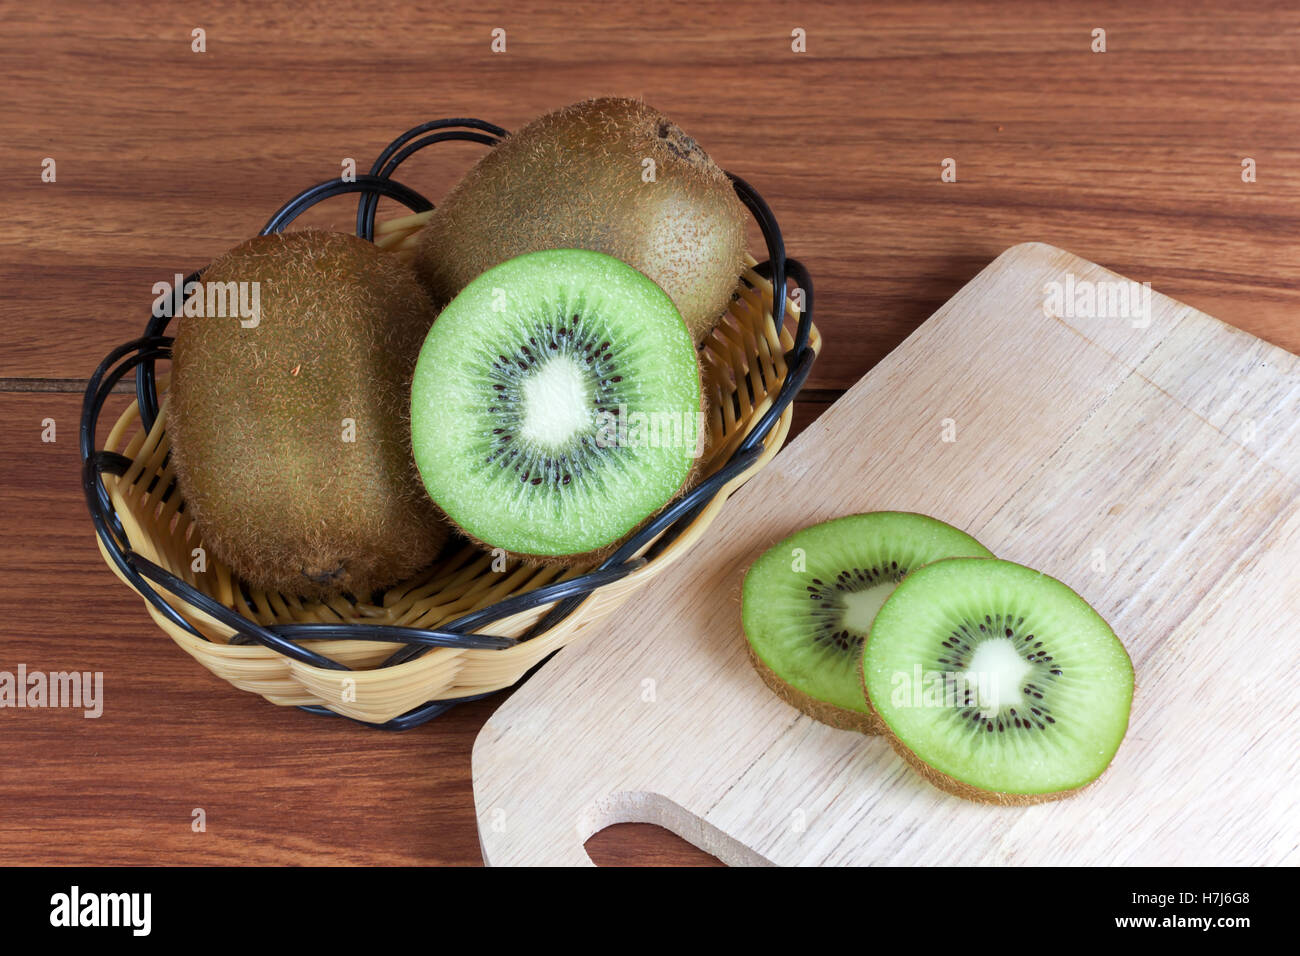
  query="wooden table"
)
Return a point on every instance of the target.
[{"x": 164, "y": 157}]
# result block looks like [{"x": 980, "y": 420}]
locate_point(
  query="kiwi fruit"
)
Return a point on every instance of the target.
[
  {"x": 610, "y": 175},
  {"x": 997, "y": 682},
  {"x": 290, "y": 436},
  {"x": 809, "y": 602},
  {"x": 556, "y": 405}
]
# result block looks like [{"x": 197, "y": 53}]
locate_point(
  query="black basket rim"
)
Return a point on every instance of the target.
[{"x": 142, "y": 354}]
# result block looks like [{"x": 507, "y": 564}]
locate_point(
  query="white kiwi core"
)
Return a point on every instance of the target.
[
  {"x": 556, "y": 403},
  {"x": 860, "y": 607},
  {"x": 996, "y": 673}
]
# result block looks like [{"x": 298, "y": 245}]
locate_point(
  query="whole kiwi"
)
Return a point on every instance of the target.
[
  {"x": 608, "y": 175},
  {"x": 290, "y": 431}
]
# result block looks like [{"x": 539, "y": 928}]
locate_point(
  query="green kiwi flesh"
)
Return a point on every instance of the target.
[
  {"x": 609, "y": 175},
  {"x": 809, "y": 602},
  {"x": 556, "y": 405},
  {"x": 290, "y": 437},
  {"x": 997, "y": 682}
]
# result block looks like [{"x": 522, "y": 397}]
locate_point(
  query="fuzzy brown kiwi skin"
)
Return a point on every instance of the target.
[
  {"x": 838, "y": 717},
  {"x": 263, "y": 513},
  {"x": 573, "y": 179},
  {"x": 952, "y": 785}
]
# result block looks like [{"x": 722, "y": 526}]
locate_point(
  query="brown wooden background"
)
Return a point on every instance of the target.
[{"x": 166, "y": 157}]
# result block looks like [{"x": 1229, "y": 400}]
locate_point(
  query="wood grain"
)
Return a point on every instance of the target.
[
  {"x": 1166, "y": 491},
  {"x": 1130, "y": 158},
  {"x": 277, "y": 786},
  {"x": 167, "y": 157}
]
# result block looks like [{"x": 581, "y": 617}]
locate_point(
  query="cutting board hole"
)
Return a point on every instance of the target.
[
  {"x": 643, "y": 828},
  {"x": 644, "y": 844}
]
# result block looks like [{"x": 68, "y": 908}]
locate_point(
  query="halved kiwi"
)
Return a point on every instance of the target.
[
  {"x": 809, "y": 601},
  {"x": 997, "y": 682},
  {"x": 556, "y": 405}
]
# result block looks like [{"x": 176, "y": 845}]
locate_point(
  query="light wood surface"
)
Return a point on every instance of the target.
[{"x": 1148, "y": 461}]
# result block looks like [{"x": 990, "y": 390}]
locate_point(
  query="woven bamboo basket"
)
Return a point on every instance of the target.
[{"x": 334, "y": 656}]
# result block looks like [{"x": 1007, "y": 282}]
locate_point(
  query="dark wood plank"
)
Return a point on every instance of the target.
[
  {"x": 1130, "y": 158},
  {"x": 277, "y": 785}
]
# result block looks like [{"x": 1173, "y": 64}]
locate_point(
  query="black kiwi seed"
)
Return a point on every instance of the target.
[
  {"x": 829, "y": 607},
  {"x": 581, "y": 340},
  {"x": 957, "y": 655}
]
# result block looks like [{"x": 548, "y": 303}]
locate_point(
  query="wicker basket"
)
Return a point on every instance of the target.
[{"x": 420, "y": 646}]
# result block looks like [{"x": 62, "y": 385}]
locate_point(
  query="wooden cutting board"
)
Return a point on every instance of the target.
[{"x": 1149, "y": 459}]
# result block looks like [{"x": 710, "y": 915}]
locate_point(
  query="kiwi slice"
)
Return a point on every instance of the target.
[
  {"x": 997, "y": 682},
  {"x": 556, "y": 404},
  {"x": 808, "y": 602}
]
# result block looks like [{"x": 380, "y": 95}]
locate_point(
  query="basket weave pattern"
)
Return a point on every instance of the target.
[{"x": 743, "y": 366}]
